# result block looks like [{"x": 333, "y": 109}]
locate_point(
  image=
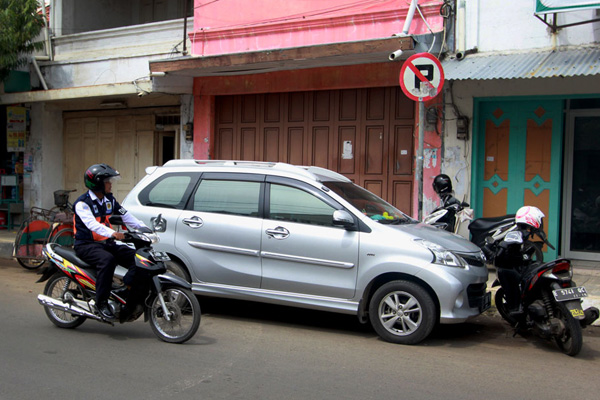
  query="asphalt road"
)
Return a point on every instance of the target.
[{"x": 253, "y": 351}]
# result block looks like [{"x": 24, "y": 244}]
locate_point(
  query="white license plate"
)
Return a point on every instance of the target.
[{"x": 567, "y": 294}]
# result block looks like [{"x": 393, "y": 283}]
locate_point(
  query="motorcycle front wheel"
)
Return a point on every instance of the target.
[
  {"x": 183, "y": 317},
  {"x": 501, "y": 306},
  {"x": 63, "y": 288},
  {"x": 571, "y": 340}
]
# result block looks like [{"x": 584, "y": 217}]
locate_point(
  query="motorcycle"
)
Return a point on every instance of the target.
[
  {"x": 164, "y": 299},
  {"x": 451, "y": 216},
  {"x": 549, "y": 301}
]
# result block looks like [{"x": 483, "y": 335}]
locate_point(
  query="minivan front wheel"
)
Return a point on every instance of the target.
[{"x": 402, "y": 312}]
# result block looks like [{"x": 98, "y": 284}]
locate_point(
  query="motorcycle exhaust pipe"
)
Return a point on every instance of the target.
[
  {"x": 60, "y": 305},
  {"x": 591, "y": 315}
]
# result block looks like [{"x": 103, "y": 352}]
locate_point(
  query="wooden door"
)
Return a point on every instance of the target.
[
  {"x": 126, "y": 143},
  {"x": 519, "y": 158},
  {"x": 364, "y": 134}
]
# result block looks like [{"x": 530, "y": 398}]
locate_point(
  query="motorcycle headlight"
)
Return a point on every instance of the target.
[
  {"x": 441, "y": 255},
  {"x": 152, "y": 237}
]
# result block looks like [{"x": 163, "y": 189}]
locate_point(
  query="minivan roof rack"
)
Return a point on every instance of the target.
[{"x": 307, "y": 171}]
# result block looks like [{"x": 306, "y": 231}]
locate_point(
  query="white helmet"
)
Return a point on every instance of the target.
[{"x": 529, "y": 215}]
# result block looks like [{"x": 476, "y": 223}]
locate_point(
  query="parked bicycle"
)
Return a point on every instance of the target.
[{"x": 44, "y": 226}]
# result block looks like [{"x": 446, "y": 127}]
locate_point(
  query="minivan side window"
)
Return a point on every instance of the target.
[
  {"x": 168, "y": 191},
  {"x": 295, "y": 205},
  {"x": 227, "y": 197}
]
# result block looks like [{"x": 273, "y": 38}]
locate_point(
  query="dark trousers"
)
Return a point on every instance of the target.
[
  {"x": 509, "y": 280},
  {"x": 105, "y": 256}
]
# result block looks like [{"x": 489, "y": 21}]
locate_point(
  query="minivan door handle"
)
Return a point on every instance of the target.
[
  {"x": 194, "y": 222},
  {"x": 278, "y": 233}
]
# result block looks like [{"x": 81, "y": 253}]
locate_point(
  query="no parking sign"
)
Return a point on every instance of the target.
[{"x": 421, "y": 77}]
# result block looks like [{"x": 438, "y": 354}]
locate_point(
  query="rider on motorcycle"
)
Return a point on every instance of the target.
[
  {"x": 442, "y": 185},
  {"x": 511, "y": 259},
  {"x": 95, "y": 237}
]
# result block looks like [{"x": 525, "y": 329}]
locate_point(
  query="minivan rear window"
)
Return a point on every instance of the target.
[{"x": 169, "y": 191}]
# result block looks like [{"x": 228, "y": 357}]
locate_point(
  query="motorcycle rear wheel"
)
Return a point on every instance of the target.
[
  {"x": 57, "y": 287},
  {"x": 571, "y": 341},
  {"x": 184, "y": 311}
]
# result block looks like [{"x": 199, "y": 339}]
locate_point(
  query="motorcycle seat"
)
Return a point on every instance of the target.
[
  {"x": 69, "y": 254},
  {"x": 481, "y": 228},
  {"x": 487, "y": 224}
]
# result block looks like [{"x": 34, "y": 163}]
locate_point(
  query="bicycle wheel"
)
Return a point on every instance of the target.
[
  {"x": 63, "y": 236},
  {"x": 30, "y": 241}
]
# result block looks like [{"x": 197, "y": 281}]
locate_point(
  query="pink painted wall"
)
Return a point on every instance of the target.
[{"x": 233, "y": 26}]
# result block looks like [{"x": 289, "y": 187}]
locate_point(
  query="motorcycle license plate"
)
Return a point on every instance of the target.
[
  {"x": 160, "y": 256},
  {"x": 569, "y": 293},
  {"x": 487, "y": 301}
]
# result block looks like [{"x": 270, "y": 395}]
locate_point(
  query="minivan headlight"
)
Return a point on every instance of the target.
[{"x": 441, "y": 255}]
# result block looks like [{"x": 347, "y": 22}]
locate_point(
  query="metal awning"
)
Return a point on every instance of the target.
[
  {"x": 253, "y": 62},
  {"x": 544, "y": 64}
]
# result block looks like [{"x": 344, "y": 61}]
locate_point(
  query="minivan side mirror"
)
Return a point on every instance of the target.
[{"x": 343, "y": 218}]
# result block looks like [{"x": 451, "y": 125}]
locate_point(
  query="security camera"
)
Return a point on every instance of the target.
[{"x": 395, "y": 55}]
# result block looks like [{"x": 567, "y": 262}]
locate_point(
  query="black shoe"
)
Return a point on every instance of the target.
[
  {"x": 105, "y": 311},
  {"x": 515, "y": 313},
  {"x": 122, "y": 292}
]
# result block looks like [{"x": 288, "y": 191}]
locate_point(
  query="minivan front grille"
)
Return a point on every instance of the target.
[{"x": 473, "y": 259}]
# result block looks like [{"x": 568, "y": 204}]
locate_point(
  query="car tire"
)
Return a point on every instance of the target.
[
  {"x": 402, "y": 312},
  {"x": 177, "y": 269}
]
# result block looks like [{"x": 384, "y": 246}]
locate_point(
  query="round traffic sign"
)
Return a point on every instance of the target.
[{"x": 421, "y": 77}]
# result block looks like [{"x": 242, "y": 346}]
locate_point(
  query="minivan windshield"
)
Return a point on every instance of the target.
[{"x": 368, "y": 203}]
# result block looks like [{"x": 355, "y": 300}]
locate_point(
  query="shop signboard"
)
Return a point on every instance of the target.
[
  {"x": 555, "y": 6},
  {"x": 16, "y": 128}
]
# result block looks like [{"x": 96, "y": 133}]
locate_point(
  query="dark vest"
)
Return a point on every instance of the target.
[{"x": 82, "y": 233}]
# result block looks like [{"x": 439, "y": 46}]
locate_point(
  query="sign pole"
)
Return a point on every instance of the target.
[
  {"x": 421, "y": 79},
  {"x": 420, "y": 152}
]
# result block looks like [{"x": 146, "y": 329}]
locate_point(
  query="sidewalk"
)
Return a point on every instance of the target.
[{"x": 585, "y": 273}]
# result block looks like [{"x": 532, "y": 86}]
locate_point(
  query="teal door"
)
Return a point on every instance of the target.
[{"x": 517, "y": 160}]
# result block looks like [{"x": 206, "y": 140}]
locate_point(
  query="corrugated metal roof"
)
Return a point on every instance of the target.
[{"x": 549, "y": 64}]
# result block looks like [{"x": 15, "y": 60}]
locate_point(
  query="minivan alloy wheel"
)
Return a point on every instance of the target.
[{"x": 402, "y": 312}]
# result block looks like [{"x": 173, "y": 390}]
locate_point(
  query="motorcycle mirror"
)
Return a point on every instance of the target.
[
  {"x": 465, "y": 204},
  {"x": 543, "y": 236}
]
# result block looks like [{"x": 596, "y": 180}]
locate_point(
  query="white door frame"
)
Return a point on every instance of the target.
[{"x": 568, "y": 186}]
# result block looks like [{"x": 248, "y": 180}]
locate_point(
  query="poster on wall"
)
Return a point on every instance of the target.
[{"x": 16, "y": 128}]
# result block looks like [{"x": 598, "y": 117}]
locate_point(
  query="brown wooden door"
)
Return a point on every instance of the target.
[{"x": 365, "y": 134}]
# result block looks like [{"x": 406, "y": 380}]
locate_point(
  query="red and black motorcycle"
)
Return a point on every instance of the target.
[
  {"x": 164, "y": 299},
  {"x": 536, "y": 296}
]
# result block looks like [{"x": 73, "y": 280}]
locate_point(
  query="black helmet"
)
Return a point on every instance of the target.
[
  {"x": 95, "y": 176},
  {"x": 442, "y": 184}
]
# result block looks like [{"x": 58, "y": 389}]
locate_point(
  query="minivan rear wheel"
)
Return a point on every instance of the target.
[
  {"x": 175, "y": 268},
  {"x": 402, "y": 312}
]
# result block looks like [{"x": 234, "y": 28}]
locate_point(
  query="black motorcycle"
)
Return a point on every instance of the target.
[
  {"x": 535, "y": 296},
  {"x": 164, "y": 299}
]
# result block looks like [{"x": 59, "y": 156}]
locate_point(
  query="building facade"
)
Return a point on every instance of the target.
[
  {"x": 89, "y": 96},
  {"x": 312, "y": 82},
  {"x": 526, "y": 75}
]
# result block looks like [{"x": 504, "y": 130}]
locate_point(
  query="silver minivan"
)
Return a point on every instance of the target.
[{"x": 309, "y": 237}]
